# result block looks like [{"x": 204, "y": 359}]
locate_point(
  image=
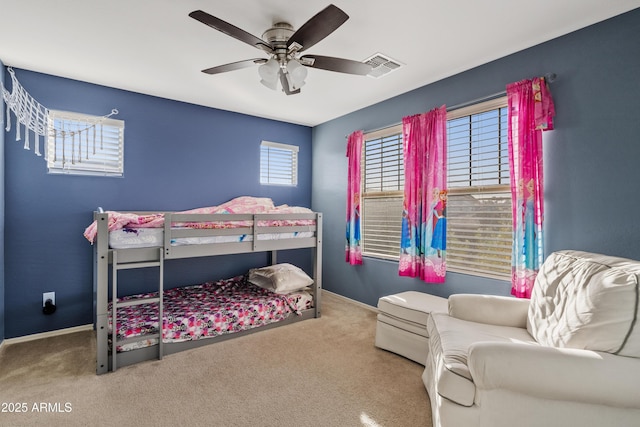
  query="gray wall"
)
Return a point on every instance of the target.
[{"x": 590, "y": 160}]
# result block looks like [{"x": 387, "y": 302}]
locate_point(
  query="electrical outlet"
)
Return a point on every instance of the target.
[{"x": 48, "y": 296}]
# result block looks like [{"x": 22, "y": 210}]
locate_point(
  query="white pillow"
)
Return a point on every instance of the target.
[{"x": 280, "y": 278}]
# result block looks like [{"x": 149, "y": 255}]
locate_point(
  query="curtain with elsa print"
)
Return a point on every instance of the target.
[
  {"x": 353, "y": 251},
  {"x": 424, "y": 223},
  {"x": 531, "y": 111}
]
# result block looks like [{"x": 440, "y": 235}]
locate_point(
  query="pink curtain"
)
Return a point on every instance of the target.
[
  {"x": 424, "y": 217},
  {"x": 531, "y": 111},
  {"x": 353, "y": 252}
]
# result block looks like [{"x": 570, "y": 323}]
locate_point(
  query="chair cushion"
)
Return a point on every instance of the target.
[
  {"x": 586, "y": 301},
  {"x": 449, "y": 343}
]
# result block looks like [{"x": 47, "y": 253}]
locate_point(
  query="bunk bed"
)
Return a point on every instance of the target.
[{"x": 159, "y": 236}]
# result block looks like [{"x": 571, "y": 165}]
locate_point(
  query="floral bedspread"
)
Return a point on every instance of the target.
[
  {"x": 206, "y": 310},
  {"x": 239, "y": 205}
]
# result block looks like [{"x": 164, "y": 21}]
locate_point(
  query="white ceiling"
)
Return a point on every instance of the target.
[{"x": 153, "y": 47}]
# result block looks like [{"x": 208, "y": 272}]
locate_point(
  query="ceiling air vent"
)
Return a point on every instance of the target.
[{"x": 381, "y": 64}]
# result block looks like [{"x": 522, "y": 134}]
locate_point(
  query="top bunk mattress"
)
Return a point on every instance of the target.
[
  {"x": 131, "y": 238},
  {"x": 140, "y": 230}
]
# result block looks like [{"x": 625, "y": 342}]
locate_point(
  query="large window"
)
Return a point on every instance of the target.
[
  {"x": 82, "y": 144},
  {"x": 479, "y": 226}
]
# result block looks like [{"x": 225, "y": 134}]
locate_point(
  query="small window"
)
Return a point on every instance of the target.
[
  {"x": 81, "y": 144},
  {"x": 278, "y": 164}
]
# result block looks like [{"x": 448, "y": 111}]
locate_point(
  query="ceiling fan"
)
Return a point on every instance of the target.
[{"x": 283, "y": 45}]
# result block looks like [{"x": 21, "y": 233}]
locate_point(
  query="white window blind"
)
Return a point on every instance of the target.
[
  {"x": 82, "y": 144},
  {"x": 383, "y": 186},
  {"x": 382, "y": 226},
  {"x": 479, "y": 225},
  {"x": 278, "y": 164}
]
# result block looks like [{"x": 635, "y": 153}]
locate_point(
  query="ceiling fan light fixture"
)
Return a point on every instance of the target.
[
  {"x": 269, "y": 73},
  {"x": 297, "y": 73},
  {"x": 271, "y": 85}
]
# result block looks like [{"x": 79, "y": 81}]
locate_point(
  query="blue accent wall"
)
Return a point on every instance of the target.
[
  {"x": 590, "y": 160},
  {"x": 2, "y": 125},
  {"x": 177, "y": 156}
]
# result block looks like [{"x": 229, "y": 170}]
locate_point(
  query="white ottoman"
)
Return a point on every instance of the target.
[{"x": 402, "y": 323}]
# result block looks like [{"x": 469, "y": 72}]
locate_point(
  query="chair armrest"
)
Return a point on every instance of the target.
[
  {"x": 491, "y": 309},
  {"x": 556, "y": 373}
]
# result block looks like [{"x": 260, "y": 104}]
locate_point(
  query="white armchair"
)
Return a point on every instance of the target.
[{"x": 569, "y": 356}]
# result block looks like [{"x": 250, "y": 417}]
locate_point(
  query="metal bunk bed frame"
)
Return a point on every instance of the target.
[{"x": 153, "y": 257}]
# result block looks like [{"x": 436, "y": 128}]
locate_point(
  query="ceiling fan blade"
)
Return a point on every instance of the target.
[
  {"x": 318, "y": 27},
  {"x": 230, "y": 30},
  {"x": 234, "y": 66},
  {"x": 285, "y": 85},
  {"x": 336, "y": 64}
]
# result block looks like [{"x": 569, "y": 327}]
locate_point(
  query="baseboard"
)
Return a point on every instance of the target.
[
  {"x": 352, "y": 301},
  {"x": 49, "y": 334}
]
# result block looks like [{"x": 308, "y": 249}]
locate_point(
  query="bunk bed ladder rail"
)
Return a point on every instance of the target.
[{"x": 136, "y": 301}]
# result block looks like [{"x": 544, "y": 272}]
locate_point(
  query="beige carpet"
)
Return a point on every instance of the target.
[{"x": 319, "y": 372}]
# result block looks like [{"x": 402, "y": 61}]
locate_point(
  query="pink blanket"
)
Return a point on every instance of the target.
[{"x": 239, "y": 205}]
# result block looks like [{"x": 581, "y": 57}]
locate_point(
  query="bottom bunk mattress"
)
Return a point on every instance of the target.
[{"x": 204, "y": 311}]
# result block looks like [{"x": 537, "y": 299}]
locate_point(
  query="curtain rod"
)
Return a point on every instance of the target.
[{"x": 549, "y": 77}]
